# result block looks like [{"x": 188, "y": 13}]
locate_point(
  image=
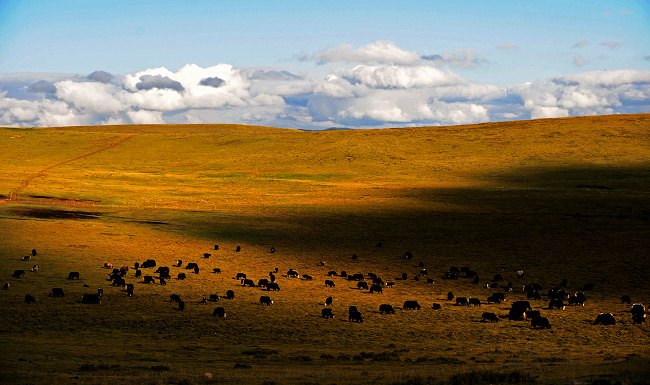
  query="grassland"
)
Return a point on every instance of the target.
[{"x": 556, "y": 198}]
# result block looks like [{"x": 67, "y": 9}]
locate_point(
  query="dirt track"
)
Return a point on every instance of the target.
[{"x": 15, "y": 193}]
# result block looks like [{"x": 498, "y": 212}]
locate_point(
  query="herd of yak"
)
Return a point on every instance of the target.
[{"x": 519, "y": 310}]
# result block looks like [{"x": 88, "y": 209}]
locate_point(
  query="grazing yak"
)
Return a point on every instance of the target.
[
  {"x": 430, "y": 280},
  {"x": 238, "y": 249},
  {"x": 181, "y": 276},
  {"x": 124, "y": 269},
  {"x": 216, "y": 270},
  {"x": 240, "y": 276},
  {"x": 29, "y": 299},
  {"x": 216, "y": 247},
  {"x": 362, "y": 285},
  {"x": 408, "y": 255},
  {"x": 352, "y": 309},
  {"x": 34, "y": 269},
  {"x": 450, "y": 296},
  {"x": 213, "y": 297},
  {"x": 57, "y": 292},
  {"x": 436, "y": 306},
  {"x": 471, "y": 274},
  {"x": 181, "y": 305},
  {"x": 271, "y": 276},
  {"x": 530, "y": 314},
  {"x": 174, "y": 298},
  {"x": 489, "y": 317},
  {"x": 378, "y": 281},
  {"x": 578, "y": 299},
  {"x": 272, "y": 286},
  {"x": 129, "y": 289},
  {"x": 411, "y": 305},
  {"x": 558, "y": 294},
  {"x": 473, "y": 302},
  {"x": 73, "y": 275},
  {"x": 138, "y": 273},
  {"x": 462, "y": 301},
  {"x": 329, "y": 300},
  {"x": 626, "y": 299},
  {"x": 266, "y": 300},
  {"x": 179, "y": 263},
  {"x": 148, "y": 263},
  {"x": 307, "y": 277},
  {"x": 148, "y": 279},
  {"x": 6, "y": 286},
  {"x": 386, "y": 308},
  {"x": 219, "y": 312},
  {"x": 332, "y": 273},
  {"x": 540, "y": 322},
  {"x": 497, "y": 278},
  {"x": 272, "y": 250},
  {"x": 33, "y": 252},
  {"x": 390, "y": 284},
  {"x": 292, "y": 273},
  {"x": 605, "y": 319},
  {"x": 556, "y": 304},
  {"x": 376, "y": 289},
  {"x": 263, "y": 282},
  {"x": 356, "y": 317},
  {"x": 493, "y": 299},
  {"x": 637, "y": 309},
  {"x": 248, "y": 282},
  {"x": 90, "y": 299},
  {"x": 27, "y": 257},
  {"x": 423, "y": 272},
  {"x": 329, "y": 283},
  {"x": 327, "y": 313},
  {"x": 191, "y": 266},
  {"x": 163, "y": 271},
  {"x": 230, "y": 294},
  {"x": 343, "y": 274},
  {"x": 206, "y": 255}
]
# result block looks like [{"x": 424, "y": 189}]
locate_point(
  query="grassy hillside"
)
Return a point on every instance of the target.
[{"x": 556, "y": 198}]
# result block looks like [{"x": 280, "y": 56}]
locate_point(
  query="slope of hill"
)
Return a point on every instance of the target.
[{"x": 556, "y": 198}]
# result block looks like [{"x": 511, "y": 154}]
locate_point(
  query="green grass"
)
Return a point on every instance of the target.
[{"x": 557, "y": 198}]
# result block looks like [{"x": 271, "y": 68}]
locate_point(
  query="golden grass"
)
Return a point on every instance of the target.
[{"x": 557, "y": 198}]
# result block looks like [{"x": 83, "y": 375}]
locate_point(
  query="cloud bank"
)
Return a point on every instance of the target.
[{"x": 371, "y": 86}]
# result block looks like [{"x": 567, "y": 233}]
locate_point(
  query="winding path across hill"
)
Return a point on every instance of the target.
[{"x": 15, "y": 193}]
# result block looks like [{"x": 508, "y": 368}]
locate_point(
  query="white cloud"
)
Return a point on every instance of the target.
[
  {"x": 145, "y": 117},
  {"x": 401, "y": 77},
  {"x": 94, "y": 97},
  {"x": 381, "y": 51},
  {"x": 376, "y": 85}
]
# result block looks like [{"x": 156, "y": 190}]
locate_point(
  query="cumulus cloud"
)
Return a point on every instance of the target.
[
  {"x": 100, "y": 76},
  {"x": 463, "y": 58},
  {"x": 148, "y": 82},
  {"x": 376, "y": 85},
  {"x": 400, "y": 77},
  {"x": 42, "y": 86},
  {"x": 381, "y": 51}
]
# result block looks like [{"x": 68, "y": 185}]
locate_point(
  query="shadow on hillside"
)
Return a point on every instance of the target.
[{"x": 545, "y": 216}]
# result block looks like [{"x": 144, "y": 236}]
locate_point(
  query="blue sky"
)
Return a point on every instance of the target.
[{"x": 305, "y": 64}]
